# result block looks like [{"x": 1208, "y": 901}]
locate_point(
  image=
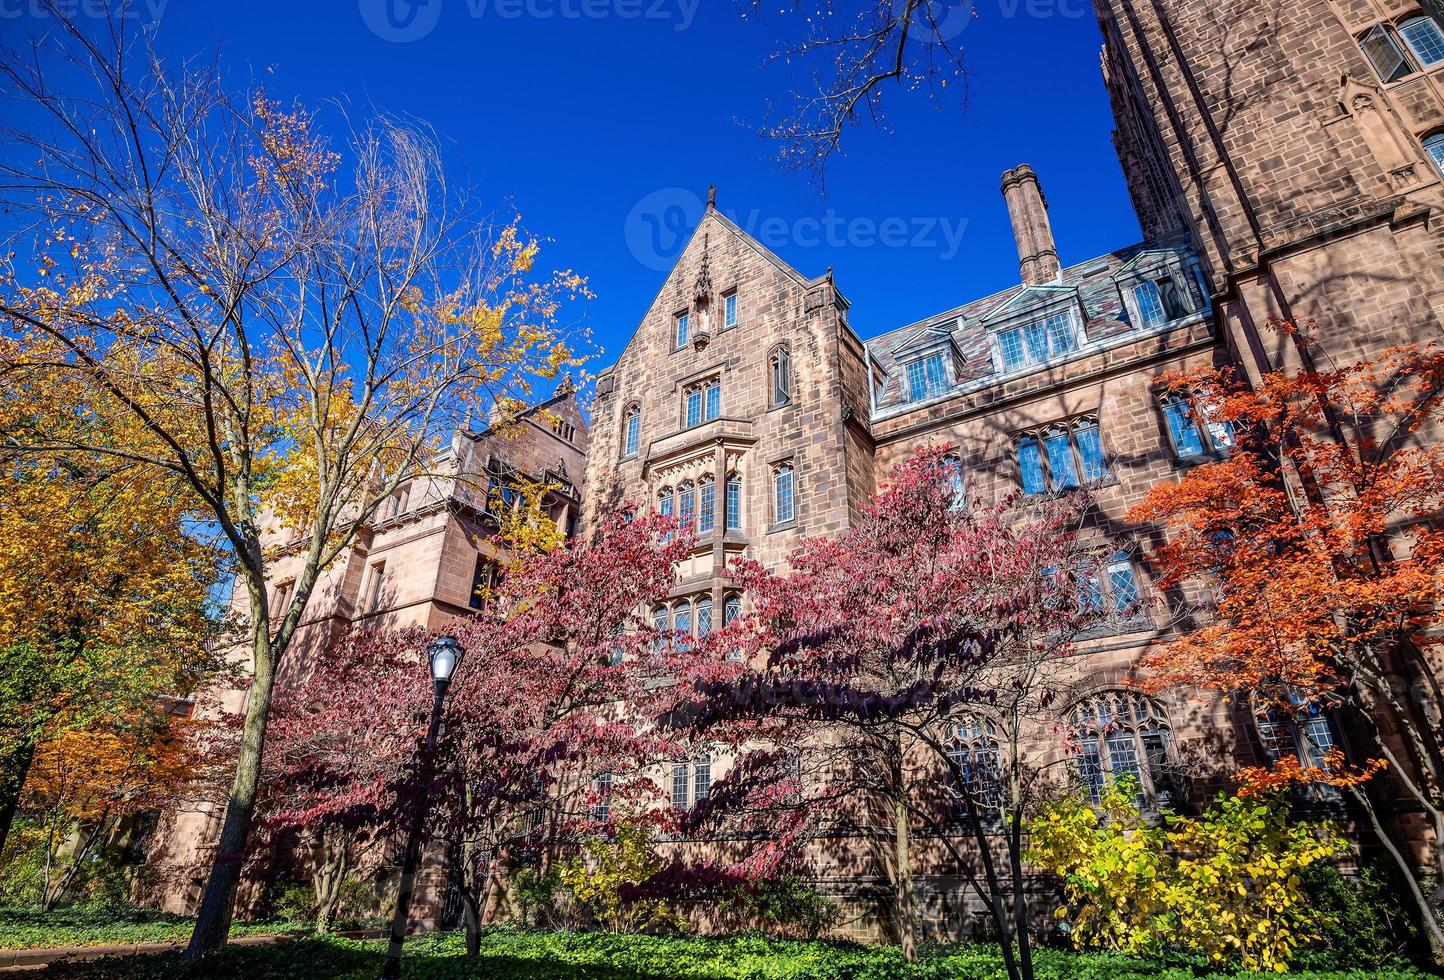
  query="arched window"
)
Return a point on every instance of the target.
[
  {"x": 1424, "y": 38},
  {"x": 1030, "y": 466},
  {"x": 687, "y": 502},
  {"x": 779, "y": 372},
  {"x": 1059, "y": 449},
  {"x": 704, "y": 616},
  {"x": 1123, "y": 734},
  {"x": 731, "y": 612},
  {"x": 682, "y": 618},
  {"x": 631, "y": 430},
  {"x": 973, "y": 757},
  {"x": 707, "y": 501},
  {"x": 784, "y": 506},
  {"x": 664, "y": 502},
  {"x": 734, "y": 502},
  {"x": 1434, "y": 146},
  {"x": 661, "y": 622}
]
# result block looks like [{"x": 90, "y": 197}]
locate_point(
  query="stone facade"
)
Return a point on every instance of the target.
[{"x": 1275, "y": 172}]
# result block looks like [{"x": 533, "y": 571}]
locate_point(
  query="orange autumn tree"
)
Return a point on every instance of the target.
[
  {"x": 1313, "y": 553},
  {"x": 85, "y": 783}
]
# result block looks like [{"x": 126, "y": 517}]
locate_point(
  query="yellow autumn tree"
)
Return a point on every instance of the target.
[{"x": 287, "y": 319}]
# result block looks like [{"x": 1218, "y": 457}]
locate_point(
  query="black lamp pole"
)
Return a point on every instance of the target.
[{"x": 443, "y": 655}]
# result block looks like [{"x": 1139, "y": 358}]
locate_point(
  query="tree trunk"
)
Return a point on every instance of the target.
[
  {"x": 331, "y": 860},
  {"x": 1428, "y": 918},
  {"x": 13, "y": 773},
  {"x": 903, "y": 885},
  {"x": 213, "y": 922}
]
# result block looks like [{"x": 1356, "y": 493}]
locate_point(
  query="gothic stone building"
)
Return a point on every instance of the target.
[
  {"x": 425, "y": 560},
  {"x": 1285, "y": 158}
]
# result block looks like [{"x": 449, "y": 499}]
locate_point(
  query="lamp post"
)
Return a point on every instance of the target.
[{"x": 444, "y": 654}]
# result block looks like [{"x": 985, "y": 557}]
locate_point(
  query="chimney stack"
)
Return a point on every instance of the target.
[{"x": 1037, "y": 253}]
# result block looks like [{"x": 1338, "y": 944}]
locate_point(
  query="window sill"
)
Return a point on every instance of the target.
[
  {"x": 627, "y": 458},
  {"x": 1189, "y": 462},
  {"x": 779, "y": 406},
  {"x": 785, "y": 526}
]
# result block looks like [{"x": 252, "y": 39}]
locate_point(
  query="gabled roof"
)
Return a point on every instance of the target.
[{"x": 1029, "y": 296}]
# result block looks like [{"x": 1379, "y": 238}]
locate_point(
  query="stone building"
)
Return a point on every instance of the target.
[
  {"x": 425, "y": 559},
  {"x": 1285, "y": 158}
]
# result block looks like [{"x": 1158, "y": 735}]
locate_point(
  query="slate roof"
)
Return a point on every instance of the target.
[{"x": 1094, "y": 282}]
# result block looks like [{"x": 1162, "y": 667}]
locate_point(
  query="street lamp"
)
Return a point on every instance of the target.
[{"x": 444, "y": 656}]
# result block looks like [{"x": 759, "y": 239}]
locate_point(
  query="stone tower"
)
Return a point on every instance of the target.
[{"x": 1301, "y": 144}]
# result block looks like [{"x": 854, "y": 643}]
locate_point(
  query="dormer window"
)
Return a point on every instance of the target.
[
  {"x": 1398, "y": 50},
  {"x": 1037, "y": 342},
  {"x": 927, "y": 377},
  {"x": 1158, "y": 302},
  {"x": 683, "y": 329}
]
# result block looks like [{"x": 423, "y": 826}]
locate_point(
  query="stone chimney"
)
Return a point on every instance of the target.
[{"x": 1037, "y": 254}]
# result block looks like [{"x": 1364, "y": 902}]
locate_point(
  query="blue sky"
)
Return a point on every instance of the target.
[{"x": 603, "y": 122}]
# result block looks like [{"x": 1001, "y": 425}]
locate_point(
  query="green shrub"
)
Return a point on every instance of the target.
[
  {"x": 789, "y": 907},
  {"x": 1368, "y": 927},
  {"x": 600, "y": 956},
  {"x": 536, "y": 896}
]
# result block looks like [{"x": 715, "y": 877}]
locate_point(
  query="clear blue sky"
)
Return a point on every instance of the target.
[{"x": 577, "y": 120}]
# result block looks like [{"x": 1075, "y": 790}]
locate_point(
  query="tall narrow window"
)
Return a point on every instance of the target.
[
  {"x": 973, "y": 756},
  {"x": 1150, "y": 304},
  {"x": 1030, "y": 466},
  {"x": 784, "y": 506},
  {"x": 687, "y": 502},
  {"x": 485, "y": 578},
  {"x": 682, "y": 618},
  {"x": 632, "y": 427},
  {"x": 1434, "y": 146},
  {"x": 704, "y": 616},
  {"x": 664, "y": 502},
  {"x": 734, "y": 502},
  {"x": 731, "y": 609},
  {"x": 1060, "y": 459},
  {"x": 713, "y": 391},
  {"x": 729, "y": 310},
  {"x": 1090, "y": 450},
  {"x": 694, "y": 407},
  {"x": 602, "y": 794},
  {"x": 780, "y": 372},
  {"x": 1425, "y": 39},
  {"x": 701, "y": 778},
  {"x": 680, "y": 773},
  {"x": 661, "y": 622},
  {"x": 707, "y": 505},
  {"x": 684, "y": 328},
  {"x": 378, "y": 580},
  {"x": 953, "y": 481},
  {"x": 1122, "y": 585},
  {"x": 927, "y": 377}
]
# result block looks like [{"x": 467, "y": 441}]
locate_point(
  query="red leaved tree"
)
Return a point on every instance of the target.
[
  {"x": 1316, "y": 546},
  {"x": 845, "y": 688},
  {"x": 551, "y": 697},
  {"x": 339, "y": 744}
]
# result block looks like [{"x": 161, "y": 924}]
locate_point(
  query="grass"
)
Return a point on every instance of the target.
[
  {"x": 34, "y": 928},
  {"x": 591, "y": 956}
]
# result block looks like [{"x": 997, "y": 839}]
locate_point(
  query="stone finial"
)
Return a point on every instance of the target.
[
  {"x": 712, "y": 198},
  {"x": 1028, "y": 209}
]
